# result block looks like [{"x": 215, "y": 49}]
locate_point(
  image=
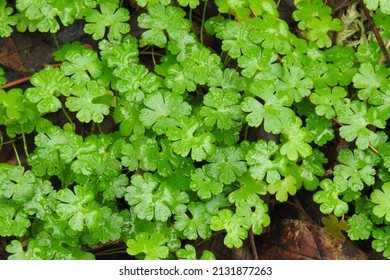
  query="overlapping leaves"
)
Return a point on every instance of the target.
[{"x": 180, "y": 166}]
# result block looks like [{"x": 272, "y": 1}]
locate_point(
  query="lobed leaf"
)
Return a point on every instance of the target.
[
  {"x": 382, "y": 200},
  {"x": 111, "y": 17},
  {"x": 236, "y": 227},
  {"x": 85, "y": 101},
  {"x": 152, "y": 246}
]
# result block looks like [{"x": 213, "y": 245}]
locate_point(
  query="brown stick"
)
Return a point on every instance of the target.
[
  {"x": 376, "y": 32},
  {"x": 253, "y": 245},
  {"x": 16, "y": 83}
]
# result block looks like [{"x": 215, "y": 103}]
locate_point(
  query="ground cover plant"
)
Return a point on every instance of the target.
[{"x": 187, "y": 124}]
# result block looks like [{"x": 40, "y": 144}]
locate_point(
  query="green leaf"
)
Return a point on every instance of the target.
[
  {"x": 274, "y": 33},
  {"x": 205, "y": 185},
  {"x": 294, "y": 82},
  {"x": 192, "y": 3},
  {"x": 318, "y": 29},
  {"x": 134, "y": 81},
  {"x": 282, "y": 188},
  {"x": 315, "y": 17},
  {"x": 235, "y": 36},
  {"x": 85, "y": 101},
  {"x": 296, "y": 141},
  {"x": 374, "y": 4},
  {"x": 158, "y": 20},
  {"x": 119, "y": 53},
  {"x": 69, "y": 10},
  {"x": 228, "y": 79},
  {"x": 381, "y": 242},
  {"x": 108, "y": 228},
  {"x": 144, "y": 3},
  {"x": 248, "y": 190},
  {"x": 186, "y": 139},
  {"x": 254, "y": 210},
  {"x": 176, "y": 77},
  {"x": 189, "y": 253},
  {"x": 255, "y": 60},
  {"x": 238, "y": 8},
  {"x": 312, "y": 169},
  {"x": 360, "y": 227},
  {"x": 227, "y": 137},
  {"x": 216, "y": 203},
  {"x": 113, "y": 189},
  {"x": 356, "y": 168},
  {"x": 152, "y": 199},
  {"x": 6, "y": 20},
  {"x": 274, "y": 112},
  {"x": 265, "y": 161},
  {"x": 33, "y": 9},
  {"x": 77, "y": 208},
  {"x": 369, "y": 52},
  {"x": 12, "y": 221},
  {"x": 381, "y": 100},
  {"x": 382, "y": 200},
  {"x": 384, "y": 152},
  {"x": 195, "y": 223},
  {"x": 2, "y": 79},
  {"x": 334, "y": 226},
  {"x": 327, "y": 100},
  {"x": 236, "y": 227},
  {"x": 96, "y": 157},
  {"x": 38, "y": 205},
  {"x": 44, "y": 247},
  {"x": 24, "y": 123},
  {"x": 13, "y": 102},
  {"x": 221, "y": 108},
  {"x": 329, "y": 199},
  {"x": 151, "y": 247},
  {"x": 320, "y": 128},
  {"x": 109, "y": 17},
  {"x": 342, "y": 65},
  {"x": 60, "y": 54},
  {"x": 357, "y": 118},
  {"x": 201, "y": 65},
  {"x": 226, "y": 164},
  {"x": 163, "y": 109},
  {"x": 48, "y": 21},
  {"x": 369, "y": 80},
  {"x": 82, "y": 65},
  {"x": 169, "y": 162},
  {"x": 15, "y": 248},
  {"x": 55, "y": 149},
  {"x": 263, "y": 7},
  {"x": 127, "y": 115},
  {"x": 17, "y": 184},
  {"x": 49, "y": 84},
  {"x": 140, "y": 153}
]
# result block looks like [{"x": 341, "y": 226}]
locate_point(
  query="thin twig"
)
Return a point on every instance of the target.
[
  {"x": 16, "y": 83},
  {"x": 253, "y": 245},
  {"x": 25, "y": 79},
  {"x": 383, "y": 57},
  {"x": 340, "y": 124},
  {"x": 376, "y": 32}
]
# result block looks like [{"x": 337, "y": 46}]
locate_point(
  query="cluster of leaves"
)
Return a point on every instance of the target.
[{"x": 179, "y": 162}]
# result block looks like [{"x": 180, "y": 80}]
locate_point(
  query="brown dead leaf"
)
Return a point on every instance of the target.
[
  {"x": 9, "y": 55},
  {"x": 293, "y": 239},
  {"x": 25, "y": 52}
]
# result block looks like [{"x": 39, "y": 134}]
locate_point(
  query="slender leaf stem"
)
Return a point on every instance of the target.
[
  {"x": 16, "y": 153},
  {"x": 203, "y": 21}
]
